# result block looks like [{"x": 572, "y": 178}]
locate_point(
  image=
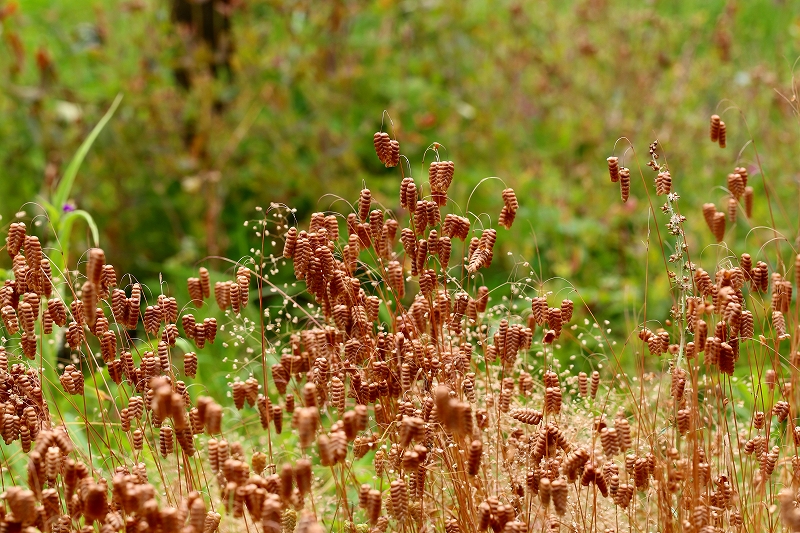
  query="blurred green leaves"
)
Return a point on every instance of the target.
[{"x": 535, "y": 93}]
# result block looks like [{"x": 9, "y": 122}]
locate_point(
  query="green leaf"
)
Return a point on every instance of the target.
[
  {"x": 65, "y": 228},
  {"x": 65, "y": 185},
  {"x": 53, "y": 213}
]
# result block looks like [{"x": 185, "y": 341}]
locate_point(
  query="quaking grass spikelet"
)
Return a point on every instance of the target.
[
  {"x": 400, "y": 364},
  {"x": 715, "y": 128},
  {"x": 625, "y": 183}
]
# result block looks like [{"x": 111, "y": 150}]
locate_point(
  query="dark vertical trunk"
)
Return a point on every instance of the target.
[
  {"x": 205, "y": 24},
  {"x": 208, "y": 24}
]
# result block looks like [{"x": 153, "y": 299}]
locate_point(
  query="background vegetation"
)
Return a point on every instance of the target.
[
  {"x": 212, "y": 111},
  {"x": 535, "y": 93}
]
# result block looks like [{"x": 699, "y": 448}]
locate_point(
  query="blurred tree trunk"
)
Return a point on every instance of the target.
[
  {"x": 204, "y": 23},
  {"x": 205, "y": 27}
]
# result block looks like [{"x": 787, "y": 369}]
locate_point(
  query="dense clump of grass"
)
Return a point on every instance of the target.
[{"x": 390, "y": 389}]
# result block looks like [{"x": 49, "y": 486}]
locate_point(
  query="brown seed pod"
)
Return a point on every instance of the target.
[
  {"x": 28, "y": 341},
  {"x": 286, "y": 481},
  {"x": 408, "y": 195},
  {"x": 769, "y": 460},
  {"x": 736, "y": 185},
  {"x": 205, "y": 282},
  {"x": 119, "y": 306},
  {"x": 213, "y": 418},
  {"x": 732, "y": 207},
  {"x": 25, "y": 437},
  {"x": 108, "y": 278},
  {"x": 58, "y": 311},
  {"x": 195, "y": 291},
  {"x": 709, "y": 210},
  {"x": 15, "y": 238},
  {"x": 625, "y": 440},
  {"x": 94, "y": 267},
  {"x": 595, "y": 383},
  {"x": 43, "y": 281},
  {"x": 440, "y": 176},
  {"x": 780, "y": 410},
  {"x": 21, "y": 503},
  {"x": 552, "y": 400},
  {"x": 506, "y": 218},
  {"x": 108, "y": 346},
  {"x": 567, "y": 308},
  {"x": 663, "y": 183},
  {"x": 758, "y": 419},
  {"x": 89, "y": 303},
  {"x": 527, "y": 416},
  {"x": 712, "y": 349},
  {"x": 399, "y": 499},
  {"x": 238, "y": 394},
  {"x": 583, "y": 384},
  {"x": 373, "y": 506},
  {"x": 47, "y": 322},
  {"x": 290, "y": 243},
  {"x": 715, "y": 127},
  {"x": 719, "y": 226},
  {"x": 420, "y": 218},
  {"x": 337, "y": 394},
  {"x": 210, "y": 329},
  {"x": 474, "y": 458},
  {"x": 95, "y": 501},
  {"x": 574, "y": 463},
  {"x": 138, "y": 439},
  {"x": 555, "y": 320},
  {"x": 683, "y": 421},
  {"x": 389, "y": 151},
  {"x": 243, "y": 283},
  {"x": 306, "y": 421},
  {"x": 624, "y": 495},
  {"x": 545, "y": 491},
  {"x": 152, "y": 319},
  {"x": 748, "y": 201},
  {"x": 422, "y": 255},
  {"x": 625, "y": 183},
  {"x": 74, "y": 335},
  {"x": 510, "y": 200},
  {"x": 363, "y": 495},
  {"x": 170, "y": 334},
  {"x": 188, "y": 323},
  {"x": 72, "y": 380},
  {"x": 381, "y": 143},
  {"x": 558, "y": 490},
  {"x": 722, "y": 135},
  {"x": 613, "y": 168},
  {"x": 610, "y": 441},
  {"x": 235, "y": 295},
  {"x": 165, "y": 441},
  {"x": 484, "y": 516},
  {"x": 779, "y": 324},
  {"x": 27, "y": 317},
  {"x": 200, "y": 335},
  {"x": 364, "y": 202},
  {"x": 760, "y": 276},
  {"x": 641, "y": 473},
  {"x": 539, "y": 310}
]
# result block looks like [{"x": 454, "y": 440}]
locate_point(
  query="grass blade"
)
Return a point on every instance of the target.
[{"x": 65, "y": 185}]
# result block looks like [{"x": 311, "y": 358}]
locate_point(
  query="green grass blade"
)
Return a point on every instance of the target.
[
  {"x": 66, "y": 229},
  {"x": 65, "y": 186}
]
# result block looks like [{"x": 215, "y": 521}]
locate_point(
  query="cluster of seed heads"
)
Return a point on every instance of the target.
[
  {"x": 460, "y": 411},
  {"x": 388, "y": 150}
]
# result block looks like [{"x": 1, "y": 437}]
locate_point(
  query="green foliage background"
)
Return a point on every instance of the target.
[{"x": 536, "y": 93}]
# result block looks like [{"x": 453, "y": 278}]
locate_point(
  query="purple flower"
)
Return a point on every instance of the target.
[{"x": 68, "y": 208}]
